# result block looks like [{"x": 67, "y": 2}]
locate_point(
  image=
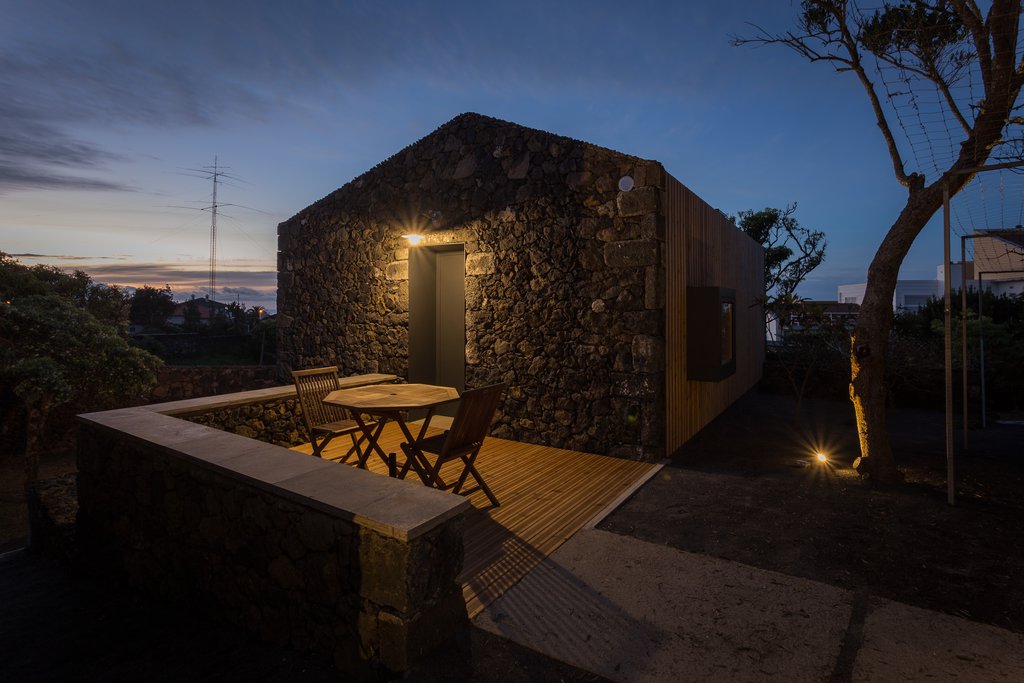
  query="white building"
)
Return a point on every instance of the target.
[
  {"x": 999, "y": 260},
  {"x": 911, "y": 295}
]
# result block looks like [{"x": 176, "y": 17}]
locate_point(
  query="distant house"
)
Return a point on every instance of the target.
[
  {"x": 618, "y": 307},
  {"x": 998, "y": 262},
  {"x": 208, "y": 310},
  {"x": 811, "y": 315},
  {"x": 911, "y": 295}
]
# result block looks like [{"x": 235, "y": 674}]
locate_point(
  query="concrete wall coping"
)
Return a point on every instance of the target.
[
  {"x": 207, "y": 403},
  {"x": 395, "y": 508}
]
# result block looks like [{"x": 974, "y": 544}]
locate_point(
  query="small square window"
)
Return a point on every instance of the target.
[
  {"x": 728, "y": 336},
  {"x": 710, "y": 333}
]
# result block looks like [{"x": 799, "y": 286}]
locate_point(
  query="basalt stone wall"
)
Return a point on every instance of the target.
[
  {"x": 276, "y": 421},
  {"x": 564, "y": 278},
  {"x": 52, "y": 506},
  {"x": 293, "y": 574},
  {"x": 178, "y": 382}
]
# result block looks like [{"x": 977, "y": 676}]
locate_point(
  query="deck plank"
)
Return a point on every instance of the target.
[{"x": 546, "y": 494}]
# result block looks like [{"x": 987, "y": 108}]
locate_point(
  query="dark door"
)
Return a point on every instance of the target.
[{"x": 437, "y": 317}]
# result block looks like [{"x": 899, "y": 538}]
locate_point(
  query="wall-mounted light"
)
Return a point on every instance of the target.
[{"x": 414, "y": 239}]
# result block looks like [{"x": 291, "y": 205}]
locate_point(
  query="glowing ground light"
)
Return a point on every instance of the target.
[{"x": 821, "y": 457}]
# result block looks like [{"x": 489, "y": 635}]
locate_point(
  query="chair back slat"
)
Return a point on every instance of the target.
[
  {"x": 473, "y": 418},
  {"x": 312, "y": 386}
]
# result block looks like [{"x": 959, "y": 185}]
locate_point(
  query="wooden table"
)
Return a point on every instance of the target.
[
  {"x": 371, "y": 378},
  {"x": 389, "y": 402}
]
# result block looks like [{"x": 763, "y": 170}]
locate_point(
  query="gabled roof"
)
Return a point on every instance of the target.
[
  {"x": 471, "y": 165},
  {"x": 204, "y": 306}
]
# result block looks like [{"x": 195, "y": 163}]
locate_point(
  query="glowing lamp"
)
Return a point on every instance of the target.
[
  {"x": 821, "y": 457},
  {"x": 414, "y": 239}
]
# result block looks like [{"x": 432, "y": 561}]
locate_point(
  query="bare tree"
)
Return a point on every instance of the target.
[
  {"x": 939, "y": 42},
  {"x": 791, "y": 252}
]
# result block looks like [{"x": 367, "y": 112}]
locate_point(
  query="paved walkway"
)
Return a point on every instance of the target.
[{"x": 630, "y": 610}]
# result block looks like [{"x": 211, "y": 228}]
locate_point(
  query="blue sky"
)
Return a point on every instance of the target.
[{"x": 106, "y": 104}]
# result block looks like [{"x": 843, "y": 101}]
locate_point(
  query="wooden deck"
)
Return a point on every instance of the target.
[{"x": 546, "y": 494}]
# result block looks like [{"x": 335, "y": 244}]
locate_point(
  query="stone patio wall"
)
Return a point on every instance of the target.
[
  {"x": 178, "y": 382},
  {"x": 564, "y": 278},
  {"x": 277, "y": 421},
  {"x": 294, "y": 548}
]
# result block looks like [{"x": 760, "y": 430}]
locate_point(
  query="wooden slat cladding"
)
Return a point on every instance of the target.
[
  {"x": 547, "y": 495},
  {"x": 704, "y": 249}
]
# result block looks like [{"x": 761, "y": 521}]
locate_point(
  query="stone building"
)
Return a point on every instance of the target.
[{"x": 578, "y": 275}]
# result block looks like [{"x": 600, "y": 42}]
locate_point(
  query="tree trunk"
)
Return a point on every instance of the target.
[
  {"x": 868, "y": 393},
  {"x": 34, "y": 430},
  {"x": 870, "y": 339}
]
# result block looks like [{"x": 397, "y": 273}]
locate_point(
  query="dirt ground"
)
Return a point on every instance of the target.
[{"x": 748, "y": 489}]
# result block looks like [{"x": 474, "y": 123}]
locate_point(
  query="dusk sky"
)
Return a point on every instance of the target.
[{"x": 106, "y": 104}]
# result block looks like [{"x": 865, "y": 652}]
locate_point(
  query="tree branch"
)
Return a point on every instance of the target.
[
  {"x": 827, "y": 35},
  {"x": 932, "y": 74},
  {"x": 850, "y": 43},
  {"x": 970, "y": 15},
  {"x": 944, "y": 89},
  {"x": 798, "y": 44},
  {"x": 1002, "y": 89}
]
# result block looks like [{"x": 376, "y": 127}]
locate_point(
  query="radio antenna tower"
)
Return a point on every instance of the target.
[{"x": 215, "y": 173}]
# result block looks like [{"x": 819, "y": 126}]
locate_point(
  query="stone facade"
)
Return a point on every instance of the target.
[
  {"x": 293, "y": 571},
  {"x": 277, "y": 421},
  {"x": 564, "y": 278},
  {"x": 52, "y": 506}
]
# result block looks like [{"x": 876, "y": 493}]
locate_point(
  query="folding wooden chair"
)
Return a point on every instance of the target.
[
  {"x": 323, "y": 421},
  {"x": 463, "y": 441}
]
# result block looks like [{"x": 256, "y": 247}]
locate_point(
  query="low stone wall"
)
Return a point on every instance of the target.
[
  {"x": 277, "y": 421},
  {"x": 303, "y": 552},
  {"x": 179, "y": 382},
  {"x": 52, "y": 506}
]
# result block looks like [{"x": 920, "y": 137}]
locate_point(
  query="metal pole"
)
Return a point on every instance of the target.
[
  {"x": 981, "y": 350},
  {"x": 981, "y": 338},
  {"x": 963, "y": 330},
  {"x": 948, "y": 339}
]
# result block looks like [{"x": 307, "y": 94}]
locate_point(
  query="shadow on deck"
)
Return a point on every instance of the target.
[{"x": 546, "y": 494}]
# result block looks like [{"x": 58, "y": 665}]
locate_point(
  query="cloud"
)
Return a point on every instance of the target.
[
  {"x": 257, "y": 287},
  {"x": 150, "y": 273},
  {"x": 66, "y": 257},
  {"x": 40, "y": 178},
  {"x": 67, "y": 82},
  {"x": 35, "y": 154},
  {"x": 70, "y": 68},
  {"x": 242, "y": 291}
]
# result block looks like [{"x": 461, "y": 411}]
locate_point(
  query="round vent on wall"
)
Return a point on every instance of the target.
[{"x": 626, "y": 183}]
